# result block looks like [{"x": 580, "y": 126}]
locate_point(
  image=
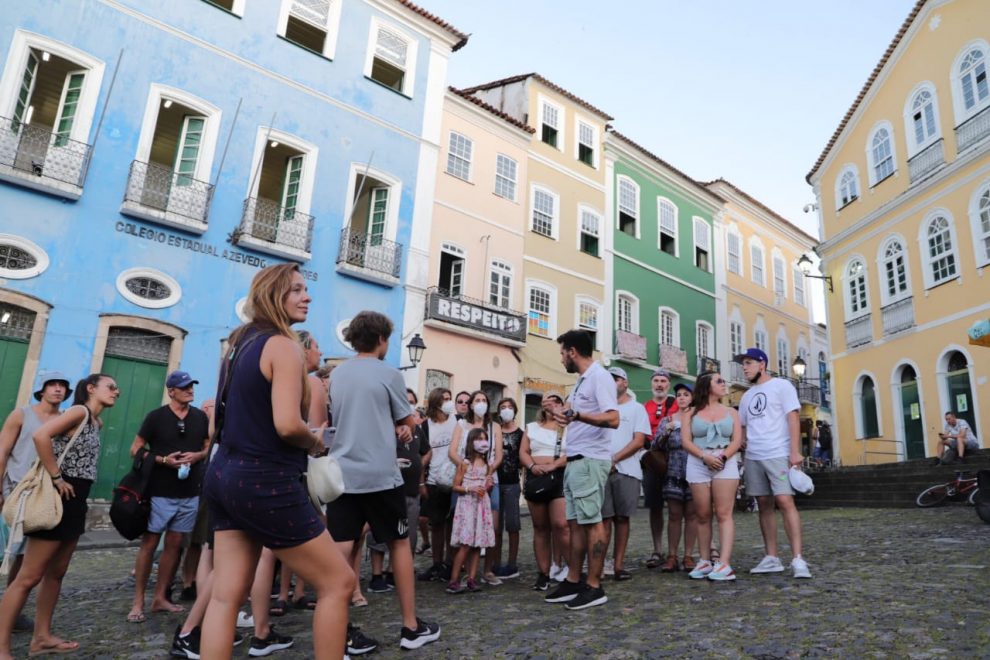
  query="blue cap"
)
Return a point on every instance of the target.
[
  {"x": 618, "y": 372},
  {"x": 179, "y": 379},
  {"x": 752, "y": 354},
  {"x": 47, "y": 377},
  {"x": 683, "y": 386}
]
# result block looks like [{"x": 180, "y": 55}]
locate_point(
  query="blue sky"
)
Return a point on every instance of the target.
[{"x": 745, "y": 90}]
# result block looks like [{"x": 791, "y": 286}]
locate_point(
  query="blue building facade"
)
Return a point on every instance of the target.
[{"x": 155, "y": 155}]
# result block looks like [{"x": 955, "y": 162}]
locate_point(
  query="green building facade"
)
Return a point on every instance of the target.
[{"x": 662, "y": 268}]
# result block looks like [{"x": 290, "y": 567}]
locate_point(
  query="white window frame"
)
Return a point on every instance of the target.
[
  {"x": 661, "y": 201},
  {"x": 142, "y": 271},
  {"x": 633, "y": 301},
  {"x": 586, "y": 300},
  {"x": 926, "y": 260},
  {"x": 760, "y": 330},
  {"x": 981, "y": 249},
  {"x": 848, "y": 169},
  {"x": 391, "y": 182},
  {"x": 581, "y": 210},
  {"x": 552, "y": 291},
  {"x": 13, "y": 71},
  {"x": 514, "y": 182},
  {"x": 860, "y": 423},
  {"x": 800, "y": 290},
  {"x": 332, "y": 26},
  {"x": 958, "y": 99},
  {"x": 779, "y": 266},
  {"x": 555, "y": 220},
  {"x": 883, "y": 125},
  {"x": 783, "y": 357},
  {"x": 736, "y": 322},
  {"x": 618, "y": 205},
  {"x": 157, "y": 95},
  {"x": 561, "y": 121},
  {"x": 847, "y": 297},
  {"x": 885, "y": 297},
  {"x": 709, "y": 348},
  {"x": 755, "y": 242},
  {"x": 733, "y": 233},
  {"x": 696, "y": 223},
  {"x": 913, "y": 146},
  {"x": 578, "y": 122},
  {"x": 35, "y": 250},
  {"x": 412, "y": 50},
  {"x": 504, "y": 270},
  {"x": 452, "y": 154},
  {"x": 675, "y": 326}
]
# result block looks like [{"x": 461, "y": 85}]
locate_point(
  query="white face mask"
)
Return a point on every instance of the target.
[
  {"x": 480, "y": 409},
  {"x": 481, "y": 446},
  {"x": 507, "y": 414},
  {"x": 448, "y": 408}
]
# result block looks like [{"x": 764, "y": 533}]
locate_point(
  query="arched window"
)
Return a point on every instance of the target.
[
  {"x": 870, "y": 423},
  {"x": 783, "y": 355},
  {"x": 973, "y": 80},
  {"x": 939, "y": 250},
  {"x": 979, "y": 216},
  {"x": 847, "y": 187},
  {"x": 894, "y": 283},
  {"x": 705, "y": 340},
  {"x": 857, "y": 299},
  {"x": 881, "y": 152},
  {"x": 666, "y": 226},
  {"x": 670, "y": 327},
  {"x": 922, "y": 124}
]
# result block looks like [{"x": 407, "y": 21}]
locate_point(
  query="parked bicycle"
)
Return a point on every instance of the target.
[{"x": 960, "y": 488}]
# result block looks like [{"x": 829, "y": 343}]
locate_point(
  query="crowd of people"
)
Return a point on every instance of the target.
[{"x": 230, "y": 478}]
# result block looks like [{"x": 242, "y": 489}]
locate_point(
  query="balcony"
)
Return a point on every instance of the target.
[
  {"x": 157, "y": 193},
  {"x": 807, "y": 393},
  {"x": 673, "y": 359},
  {"x": 34, "y": 157},
  {"x": 926, "y": 160},
  {"x": 630, "y": 345},
  {"x": 475, "y": 318},
  {"x": 706, "y": 363},
  {"x": 369, "y": 257},
  {"x": 736, "y": 376},
  {"x": 267, "y": 227},
  {"x": 859, "y": 331},
  {"x": 973, "y": 130},
  {"x": 898, "y": 316}
]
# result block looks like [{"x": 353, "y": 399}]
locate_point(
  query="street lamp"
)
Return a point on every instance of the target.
[
  {"x": 805, "y": 264},
  {"x": 416, "y": 348},
  {"x": 799, "y": 367}
]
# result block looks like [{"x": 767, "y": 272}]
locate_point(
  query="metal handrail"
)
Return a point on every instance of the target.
[{"x": 867, "y": 452}]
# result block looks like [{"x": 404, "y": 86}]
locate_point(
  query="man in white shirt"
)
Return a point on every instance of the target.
[
  {"x": 622, "y": 488},
  {"x": 956, "y": 439},
  {"x": 768, "y": 413}
]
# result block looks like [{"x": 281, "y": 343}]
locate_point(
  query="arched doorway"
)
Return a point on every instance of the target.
[
  {"x": 911, "y": 421},
  {"x": 958, "y": 388},
  {"x": 16, "y": 326}
]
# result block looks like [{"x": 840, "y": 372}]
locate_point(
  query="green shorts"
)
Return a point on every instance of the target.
[{"x": 584, "y": 489}]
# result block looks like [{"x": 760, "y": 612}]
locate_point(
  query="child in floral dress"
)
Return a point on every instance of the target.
[{"x": 473, "y": 527}]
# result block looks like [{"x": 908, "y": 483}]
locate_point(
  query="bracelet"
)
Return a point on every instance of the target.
[{"x": 56, "y": 476}]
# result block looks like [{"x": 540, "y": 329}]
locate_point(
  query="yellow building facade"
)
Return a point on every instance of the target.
[
  {"x": 765, "y": 300},
  {"x": 904, "y": 192},
  {"x": 565, "y": 235}
]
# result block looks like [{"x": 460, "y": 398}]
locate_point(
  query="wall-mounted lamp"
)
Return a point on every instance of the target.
[
  {"x": 167, "y": 104},
  {"x": 45, "y": 56},
  {"x": 416, "y": 348},
  {"x": 805, "y": 264},
  {"x": 273, "y": 144}
]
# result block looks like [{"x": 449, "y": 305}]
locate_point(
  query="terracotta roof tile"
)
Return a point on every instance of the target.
[
  {"x": 557, "y": 88},
  {"x": 462, "y": 37},
  {"x": 654, "y": 157},
  {"x": 764, "y": 207},
  {"x": 492, "y": 109},
  {"x": 866, "y": 87}
]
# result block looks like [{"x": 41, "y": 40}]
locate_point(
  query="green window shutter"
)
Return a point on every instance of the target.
[
  {"x": 187, "y": 153},
  {"x": 27, "y": 88},
  {"x": 68, "y": 106},
  {"x": 377, "y": 215},
  {"x": 293, "y": 177}
]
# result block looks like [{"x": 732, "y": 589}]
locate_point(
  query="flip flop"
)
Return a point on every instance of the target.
[
  {"x": 278, "y": 608},
  {"x": 360, "y": 601},
  {"x": 654, "y": 560},
  {"x": 63, "y": 647},
  {"x": 136, "y": 618}
]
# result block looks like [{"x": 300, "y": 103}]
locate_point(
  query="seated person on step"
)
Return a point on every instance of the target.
[{"x": 957, "y": 439}]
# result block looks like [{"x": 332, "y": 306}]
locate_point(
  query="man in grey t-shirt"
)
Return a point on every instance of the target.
[
  {"x": 370, "y": 410},
  {"x": 957, "y": 439}
]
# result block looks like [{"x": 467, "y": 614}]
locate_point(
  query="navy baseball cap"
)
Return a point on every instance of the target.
[
  {"x": 180, "y": 379},
  {"x": 683, "y": 386},
  {"x": 752, "y": 354}
]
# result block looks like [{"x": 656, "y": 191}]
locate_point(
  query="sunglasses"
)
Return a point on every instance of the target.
[
  {"x": 181, "y": 426},
  {"x": 113, "y": 387},
  {"x": 463, "y": 401},
  {"x": 719, "y": 381}
]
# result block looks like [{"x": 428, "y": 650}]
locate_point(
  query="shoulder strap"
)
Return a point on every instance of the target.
[
  {"x": 560, "y": 440},
  {"x": 227, "y": 374},
  {"x": 75, "y": 436}
]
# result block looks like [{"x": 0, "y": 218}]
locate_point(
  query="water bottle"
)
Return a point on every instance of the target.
[{"x": 184, "y": 470}]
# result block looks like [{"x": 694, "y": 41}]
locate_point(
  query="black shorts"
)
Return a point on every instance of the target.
[
  {"x": 438, "y": 505},
  {"x": 383, "y": 510},
  {"x": 73, "y": 523}
]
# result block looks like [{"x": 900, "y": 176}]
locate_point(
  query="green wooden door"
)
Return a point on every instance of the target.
[
  {"x": 13, "y": 353},
  {"x": 914, "y": 431},
  {"x": 141, "y": 387}
]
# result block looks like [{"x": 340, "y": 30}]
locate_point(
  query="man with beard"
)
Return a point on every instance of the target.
[
  {"x": 663, "y": 404},
  {"x": 590, "y": 410}
]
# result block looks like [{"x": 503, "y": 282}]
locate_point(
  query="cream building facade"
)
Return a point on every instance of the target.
[{"x": 904, "y": 191}]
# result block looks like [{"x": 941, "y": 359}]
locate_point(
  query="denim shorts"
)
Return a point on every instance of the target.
[
  {"x": 173, "y": 514},
  {"x": 584, "y": 489},
  {"x": 509, "y": 499}
]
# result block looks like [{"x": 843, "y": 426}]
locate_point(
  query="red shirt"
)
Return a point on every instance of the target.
[{"x": 655, "y": 412}]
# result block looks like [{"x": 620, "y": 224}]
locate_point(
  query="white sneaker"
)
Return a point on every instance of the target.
[
  {"x": 245, "y": 620},
  {"x": 768, "y": 565},
  {"x": 554, "y": 570},
  {"x": 799, "y": 568},
  {"x": 563, "y": 572},
  {"x": 609, "y": 567}
]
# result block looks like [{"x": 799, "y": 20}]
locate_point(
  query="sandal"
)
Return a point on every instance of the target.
[
  {"x": 670, "y": 565},
  {"x": 688, "y": 564},
  {"x": 304, "y": 603},
  {"x": 423, "y": 548},
  {"x": 359, "y": 601},
  {"x": 621, "y": 575},
  {"x": 654, "y": 560},
  {"x": 136, "y": 617},
  {"x": 59, "y": 648},
  {"x": 278, "y": 608}
]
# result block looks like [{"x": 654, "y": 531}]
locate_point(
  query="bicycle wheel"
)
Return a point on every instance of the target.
[
  {"x": 933, "y": 496},
  {"x": 973, "y": 494}
]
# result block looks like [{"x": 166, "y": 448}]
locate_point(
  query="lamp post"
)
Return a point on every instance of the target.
[
  {"x": 805, "y": 264},
  {"x": 415, "y": 348},
  {"x": 799, "y": 367}
]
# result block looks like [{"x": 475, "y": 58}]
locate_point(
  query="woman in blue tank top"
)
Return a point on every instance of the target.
[
  {"x": 254, "y": 486},
  {"x": 712, "y": 471}
]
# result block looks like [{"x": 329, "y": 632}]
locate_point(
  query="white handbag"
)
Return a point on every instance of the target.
[{"x": 324, "y": 478}]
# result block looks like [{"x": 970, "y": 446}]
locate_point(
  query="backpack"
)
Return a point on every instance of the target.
[
  {"x": 982, "y": 497},
  {"x": 131, "y": 505}
]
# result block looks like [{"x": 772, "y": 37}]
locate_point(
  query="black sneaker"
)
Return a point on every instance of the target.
[
  {"x": 274, "y": 642},
  {"x": 430, "y": 575},
  {"x": 238, "y": 638},
  {"x": 188, "y": 594},
  {"x": 444, "y": 572},
  {"x": 357, "y": 642},
  {"x": 185, "y": 647},
  {"x": 588, "y": 598},
  {"x": 390, "y": 578},
  {"x": 378, "y": 585},
  {"x": 424, "y": 634},
  {"x": 565, "y": 592},
  {"x": 542, "y": 582}
]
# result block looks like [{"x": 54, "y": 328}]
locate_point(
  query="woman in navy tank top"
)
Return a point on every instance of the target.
[{"x": 254, "y": 486}]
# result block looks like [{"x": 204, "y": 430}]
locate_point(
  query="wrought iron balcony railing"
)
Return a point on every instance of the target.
[
  {"x": 35, "y": 151},
  {"x": 358, "y": 248},
  {"x": 859, "y": 331},
  {"x": 807, "y": 392},
  {"x": 706, "y": 363},
  {"x": 898, "y": 316},
  {"x": 158, "y": 188},
  {"x": 973, "y": 130},
  {"x": 926, "y": 160},
  {"x": 274, "y": 228},
  {"x": 736, "y": 374}
]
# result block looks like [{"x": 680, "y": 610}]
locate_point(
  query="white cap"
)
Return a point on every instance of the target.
[{"x": 800, "y": 481}]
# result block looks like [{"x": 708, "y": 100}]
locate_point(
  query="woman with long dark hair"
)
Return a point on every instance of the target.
[
  {"x": 712, "y": 470},
  {"x": 254, "y": 486},
  {"x": 440, "y": 424},
  {"x": 48, "y": 552}
]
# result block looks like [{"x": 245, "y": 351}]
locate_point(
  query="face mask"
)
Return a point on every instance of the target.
[
  {"x": 507, "y": 414},
  {"x": 480, "y": 409},
  {"x": 481, "y": 446},
  {"x": 448, "y": 408}
]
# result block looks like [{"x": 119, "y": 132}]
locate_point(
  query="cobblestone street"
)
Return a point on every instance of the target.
[{"x": 888, "y": 583}]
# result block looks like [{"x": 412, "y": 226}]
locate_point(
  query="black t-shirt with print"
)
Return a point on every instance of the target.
[
  {"x": 508, "y": 471},
  {"x": 414, "y": 452},
  {"x": 165, "y": 433}
]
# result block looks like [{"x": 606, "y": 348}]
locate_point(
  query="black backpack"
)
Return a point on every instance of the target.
[
  {"x": 131, "y": 505},
  {"x": 982, "y": 499}
]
